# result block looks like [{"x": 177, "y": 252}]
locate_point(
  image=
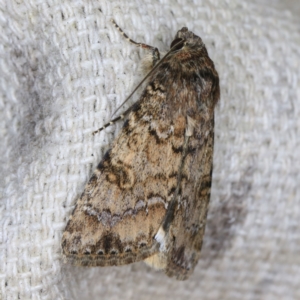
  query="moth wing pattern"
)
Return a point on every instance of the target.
[
  {"x": 148, "y": 198},
  {"x": 189, "y": 221},
  {"x": 126, "y": 199}
]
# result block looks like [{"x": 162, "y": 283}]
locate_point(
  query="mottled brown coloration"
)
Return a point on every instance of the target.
[{"x": 148, "y": 198}]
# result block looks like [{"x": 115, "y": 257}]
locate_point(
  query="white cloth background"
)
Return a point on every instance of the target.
[{"x": 65, "y": 68}]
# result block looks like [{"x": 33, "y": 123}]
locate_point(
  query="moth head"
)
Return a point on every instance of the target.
[{"x": 185, "y": 38}]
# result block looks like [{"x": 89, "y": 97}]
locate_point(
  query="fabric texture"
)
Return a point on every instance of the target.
[{"x": 65, "y": 69}]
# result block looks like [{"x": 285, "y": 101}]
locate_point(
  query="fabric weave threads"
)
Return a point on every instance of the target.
[{"x": 64, "y": 69}]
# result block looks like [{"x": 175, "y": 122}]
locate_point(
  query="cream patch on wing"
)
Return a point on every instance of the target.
[
  {"x": 157, "y": 261},
  {"x": 160, "y": 237}
]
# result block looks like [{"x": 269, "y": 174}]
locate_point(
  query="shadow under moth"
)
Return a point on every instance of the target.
[{"x": 148, "y": 198}]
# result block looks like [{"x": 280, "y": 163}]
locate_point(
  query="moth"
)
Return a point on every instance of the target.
[{"x": 148, "y": 197}]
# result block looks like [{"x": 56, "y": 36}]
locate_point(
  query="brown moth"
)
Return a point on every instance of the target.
[{"x": 148, "y": 197}]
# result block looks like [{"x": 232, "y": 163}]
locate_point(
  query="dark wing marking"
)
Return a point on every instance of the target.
[
  {"x": 127, "y": 197},
  {"x": 186, "y": 231}
]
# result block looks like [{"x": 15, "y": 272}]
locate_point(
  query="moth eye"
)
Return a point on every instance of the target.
[
  {"x": 100, "y": 252},
  {"x": 113, "y": 252},
  {"x": 179, "y": 44}
]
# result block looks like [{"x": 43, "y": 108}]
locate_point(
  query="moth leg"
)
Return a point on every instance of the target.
[
  {"x": 153, "y": 50},
  {"x": 154, "y": 59}
]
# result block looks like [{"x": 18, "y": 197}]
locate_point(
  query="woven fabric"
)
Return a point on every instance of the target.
[{"x": 64, "y": 70}]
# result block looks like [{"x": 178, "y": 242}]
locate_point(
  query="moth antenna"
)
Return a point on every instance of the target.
[
  {"x": 156, "y": 56},
  {"x": 112, "y": 122}
]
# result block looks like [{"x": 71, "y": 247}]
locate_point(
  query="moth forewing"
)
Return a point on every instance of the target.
[{"x": 148, "y": 198}]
